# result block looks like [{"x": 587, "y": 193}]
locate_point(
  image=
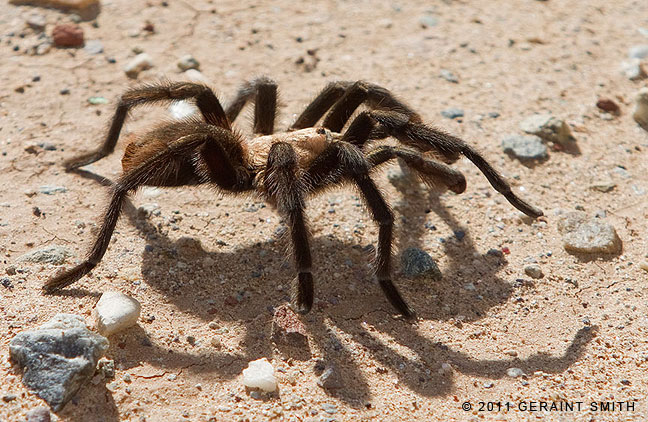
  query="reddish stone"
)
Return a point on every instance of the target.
[
  {"x": 608, "y": 105},
  {"x": 288, "y": 328},
  {"x": 67, "y": 35}
]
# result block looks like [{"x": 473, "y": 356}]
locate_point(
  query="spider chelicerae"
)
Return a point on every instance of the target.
[{"x": 283, "y": 168}]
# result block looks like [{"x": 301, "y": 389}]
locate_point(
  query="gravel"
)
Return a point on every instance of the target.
[
  {"x": 524, "y": 147},
  {"x": 633, "y": 69},
  {"x": 514, "y": 372},
  {"x": 52, "y": 190},
  {"x": 288, "y": 328},
  {"x": 533, "y": 271},
  {"x": 188, "y": 62},
  {"x": 638, "y": 51},
  {"x": 50, "y": 255},
  {"x": 330, "y": 379},
  {"x": 39, "y": 414},
  {"x": 449, "y": 76},
  {"x": 58, "y": 358},
  {"x": 67, "y": 35},
  {"x": 93, "y": 47}
]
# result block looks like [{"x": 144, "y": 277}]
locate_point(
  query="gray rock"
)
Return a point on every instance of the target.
[
  {"x": 603, "y": 186},
  {"x": 39, "y": 414},
  {"x": 638, "y": 51},
  {"x": 330, "y": 379},
  {"x": 548, "y": 128},
  {"x": 533, "y": 271},
  {"x": 93, "y": 47},
  {"x": 58, "y": 358},
  {"x": 525, "y": 147},
  {"x": 452, "y": 113},
  {"x": 188, "y": 62},
  {"x": 138, "y": 64},
  {"x": 51, "y": 190},
  {"x": 633, "y": 69},
  {"x": 416, "y": 262},
  {"x": 329, "y": 408},
  {"x": 449, "y": 76},
  {"x": 588, "y": 235},
  {"x": 50, "y": 255}
]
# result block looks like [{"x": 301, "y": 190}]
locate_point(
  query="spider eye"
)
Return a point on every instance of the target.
[{"x": 321, "y": 131}]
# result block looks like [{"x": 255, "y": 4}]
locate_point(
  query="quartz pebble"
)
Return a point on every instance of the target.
[
  {"x": 93, "y": 47},
  {"x": 641, "y": 108},
  {"x": 525, "y": 148},
  {"x": 36, "y": 22},
  {"x": 514, "y": 372},
  {"x": 116, "y": 311},
  {"x": 633, "y": 69},
  {"x": 260, "y": 374},
  {"x": 638, "y": 51},
  {"x": 548, "y": 128},
  {"x": 138, "y": 64},
  {"x": 588, "y": 235}
]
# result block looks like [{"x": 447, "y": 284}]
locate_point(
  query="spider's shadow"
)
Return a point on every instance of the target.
[{"x": 337, "y": 315}]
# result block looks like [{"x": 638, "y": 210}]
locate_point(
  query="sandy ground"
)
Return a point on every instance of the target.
[{"x": 213, "y": 267}]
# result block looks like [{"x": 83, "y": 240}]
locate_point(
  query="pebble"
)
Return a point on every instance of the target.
[
  {"x": 548, "y": 128},
  {"x": 608, "y": 105},
  {"x": 641, "y": 108},
  {"x": 260, "y": 374},
  {"x": 194, "y": 75},
  {"x": 49, "y": 255},
  {"x": 97, "y": 100},
  {"x": 93, "y": 47},
  {"x": 633, "y": 69},
  {"x": 329, "y": 408},
  {"x": 39, "y": 414},
  {"x": 644, "y": 265},
  {"x": 9, "y": 397},
  {"x": 188, "y": 62},
  {"x": 452, "y": 113},
  {"x": 603, "y": 186},
  {"x": 138, "y": 64},
  {"x": 67, "y": 35},
  {"x": 51, "y": 190},
  {"x": 58, "y": 358},
  {"x": 638, "y": 51},
  {"x": 488, "y": 384},
  {"x": 428, "y": 21},
  {"x": 588, "y": 235},
  {"x": 525, "y": 147},
  {"x": 449, "y": 76},
  {"x": 330, "y": 379},
  {"x": 37, "y": 22},
  {"x": 514, "y": 372},
  {"x": 533, "y": 271},
  {"x": 416, "y": 262},
  {"x": 115, "y": 312},
  {"x": 288, "y": 328}
]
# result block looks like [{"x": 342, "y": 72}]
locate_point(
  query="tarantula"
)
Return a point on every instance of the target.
[{"x": 283, "y": 168}]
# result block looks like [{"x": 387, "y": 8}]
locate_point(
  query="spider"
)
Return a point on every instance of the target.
[{"x": 283, "y": 168}]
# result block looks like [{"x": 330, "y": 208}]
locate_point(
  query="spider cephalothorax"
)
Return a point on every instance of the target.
[{"x": 286, "y": 167}]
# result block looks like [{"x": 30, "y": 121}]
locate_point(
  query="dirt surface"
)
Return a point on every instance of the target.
[{"x": 209, "y": 269}]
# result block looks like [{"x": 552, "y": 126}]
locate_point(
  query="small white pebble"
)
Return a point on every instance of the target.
[
  {"x": 260, "y": 374},
  {"x": 116, "y": 311}
]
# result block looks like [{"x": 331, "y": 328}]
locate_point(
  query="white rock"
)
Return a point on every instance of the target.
[
  {"x": 514, "y": 372},
  {"x": 260, "y": 374},
  {"x": 116, "y": 311},
  {"x": 194, "y": 75},
  {"x": 139, "y": 63},
  {"x": 188, "y": 62},
  {"x": 633, "y": 69},
  {"x": 641, "y": 108}
]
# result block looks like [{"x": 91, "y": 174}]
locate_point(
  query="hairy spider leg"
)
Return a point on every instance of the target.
[
  {"x": 286, "y": 189},
  {"x": 155, "y": 171},
  {"x": 205, "y": 98},
  {"x": 263, "y": 91},
  {"x": 343, "y": 160}
]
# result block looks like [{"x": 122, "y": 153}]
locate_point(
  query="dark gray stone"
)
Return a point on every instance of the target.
[
  {"x": 416, "y": 262},
  {"x": 58, "y": 358}
]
